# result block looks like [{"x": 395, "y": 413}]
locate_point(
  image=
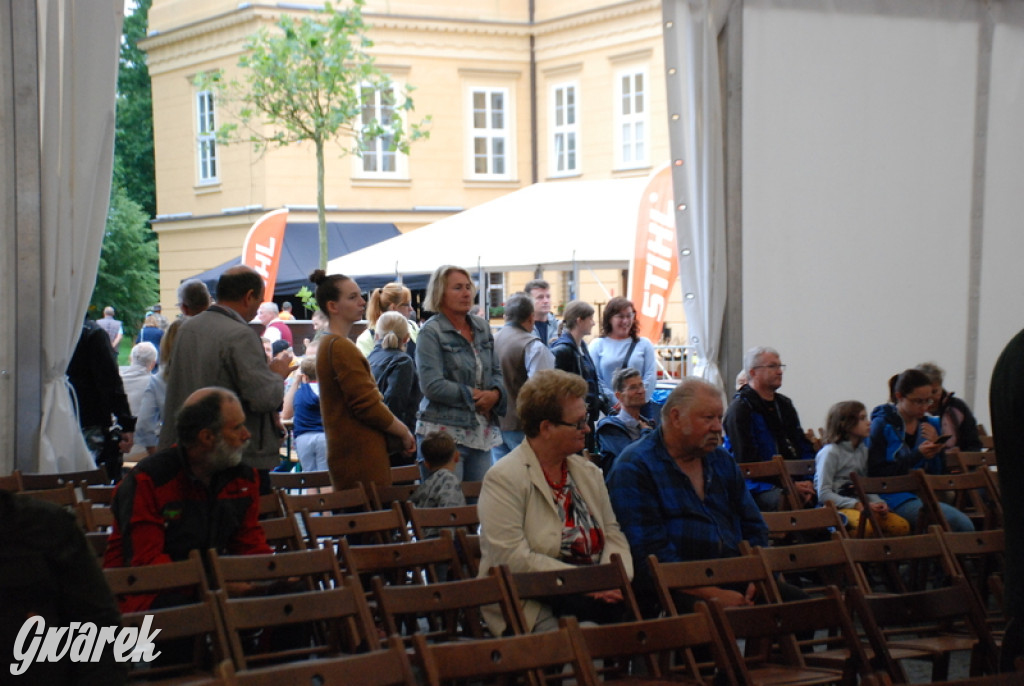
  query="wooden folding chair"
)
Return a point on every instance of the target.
[
  {"x": 970, "y": 461},
  {"x": 666, "y": 644},
  {"x": 382, "y": 497},
  {"x": 345, "y": 501},
  {"x": 674, "y": 578},
  {"x": 900, "y": 564},
  {"x": 409, "y": 473},
  {"x": 196, "y": 616},
  {"x": 973, "y": 496},
  {"x": 378, "y": 526},
  {"x": 444, "y": 611},
  {"x": 41, "y": 482},
  {"x": 524, "y": 657},
  {"x": 773, "y": 471},
  {"x": 811, "y": 566},
  {"x": 300, "y": 625},
  {"x": 387, "y": 667},
  {"x": 981, "y": 556},
  {"x": 823, "y": 521},
  {"x": 283, "y": 534},
  {"x": 427, "y": 522},
  {"x": 930, "y": 622},
  {"x": 414, "y": 562},
  {"x": 549, "y": 586},
  {"x": 468, "y": 547},
  {"x": 800, "y": 470},
  {"x": 65, "y": 496},
  {"x": 310, "y": 570},
  {"x": 882, "y": 485},
  {"x": 294, "y": 481},
  {"x": 95, "y": 518},
  {"x": 471, "y": 489},
  {"x": 99, "y": 495},
  {"x": 770, "y": 631}
]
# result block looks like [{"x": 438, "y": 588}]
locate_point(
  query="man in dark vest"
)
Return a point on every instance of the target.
[{"x": 521, "y": 355}]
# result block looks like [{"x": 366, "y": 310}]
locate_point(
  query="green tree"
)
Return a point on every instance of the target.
[
  {"x": 133, "y": 139},
  {"x": 126, "y": 277},
  {"x": 306, "y": 81}
]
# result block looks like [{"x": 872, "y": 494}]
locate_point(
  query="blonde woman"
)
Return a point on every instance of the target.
[
  {"x": 395, "y": 373},
  {"x": 393, "y": 297}
]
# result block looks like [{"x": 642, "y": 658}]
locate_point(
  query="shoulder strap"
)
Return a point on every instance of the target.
[{"x": 629, "y": 353}]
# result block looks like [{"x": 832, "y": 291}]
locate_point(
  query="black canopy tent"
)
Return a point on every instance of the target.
[{"x": 301, "y": 253}]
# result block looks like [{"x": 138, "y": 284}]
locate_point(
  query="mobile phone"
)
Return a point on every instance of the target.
[{"x": 942, "y": 439}]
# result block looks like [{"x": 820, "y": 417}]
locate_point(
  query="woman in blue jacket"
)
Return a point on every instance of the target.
[
  {"x": 460, "y": 376},
  {"x": 903, "y": 439}
]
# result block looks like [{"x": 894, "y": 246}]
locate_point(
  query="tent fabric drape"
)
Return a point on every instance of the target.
[
  {"x": 78, "y": 56},
  {"x": 691, "y": 50}
]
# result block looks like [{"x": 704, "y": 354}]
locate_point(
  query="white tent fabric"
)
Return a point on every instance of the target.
[
  {"x": 554, "y": 225},
  {"x": 78, "y": 53},
  {"x": 699, "y": 181}
]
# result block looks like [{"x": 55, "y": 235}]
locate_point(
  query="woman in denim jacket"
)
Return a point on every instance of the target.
[{"x": 463, "y": 392}]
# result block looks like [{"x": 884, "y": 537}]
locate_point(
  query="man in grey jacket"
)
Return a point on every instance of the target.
[{"x": 218, "y": 348}]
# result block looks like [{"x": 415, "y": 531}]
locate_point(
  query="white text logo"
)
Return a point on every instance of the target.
[{"x": 81, "y": 642}]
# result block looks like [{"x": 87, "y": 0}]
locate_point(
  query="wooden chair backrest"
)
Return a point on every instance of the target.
[
  {"x": 378, "y": 526},
  {"x": 526, "y": 657},
  {"x": 315, "y": 569},
  {"x": 339, "y": 619},
  {"x": 299, "y": 480},
  {"x": 773, "y": 470},
  {"x": 471, "y": 489},
  {"x": 425, "y": 520},
  {"x": 881, "y": 485},
  {"x": 826, "y": 562},
  {"x": 674, "y": 577},
  {"x": 405, "y": 562},
  {"x": 186, "y": 574},
  {"x": 667, "y": 645},
  {"x": 65, "y": 496},
  {"x": 405, "y": 474},
  {"x": 11, "y": 482},
  {"x": 387, "y": 667},
  {"x": 923, "y": 556},
  {"x": 283, "y": 534},
  {"x": 40, "y": 482},
  {"x": 382, "y": 497},
  {"x": 468, "y": 547},
  {"x": 973, "y": 497},
  {"x": 824, "y": 519},
  {"x": 337, "y": 502},
  {"x": 99, "y": 495},
  {"x": 448, "y": 610}
]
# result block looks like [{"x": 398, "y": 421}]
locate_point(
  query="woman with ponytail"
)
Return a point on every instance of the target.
[
  {"x": 903, "y": 438},
  {"x": 356, "y": 420},
  {"x": 395, "y": 372},
  {"x": 392, "y": 297}
]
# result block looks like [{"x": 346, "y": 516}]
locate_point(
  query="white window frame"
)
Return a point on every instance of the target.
[
  {"x": 206, "y": 138},
  {"x": 377, "y": 149},
  {"x": 564, "y": 157},
  {"x": 490, "y": 135},
  {"x": 631, "y": 110}
]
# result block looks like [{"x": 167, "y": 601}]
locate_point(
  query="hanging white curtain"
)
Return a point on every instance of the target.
[
  {"x": 78, "y": 54},
  {"x": 699, "y": 181}
]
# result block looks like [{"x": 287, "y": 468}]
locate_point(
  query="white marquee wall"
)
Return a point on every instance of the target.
[{"x": 858, "y": 151}]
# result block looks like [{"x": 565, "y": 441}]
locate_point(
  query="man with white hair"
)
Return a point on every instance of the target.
[
  {"x": 761, "y": 423},
  {"x": 276, "y": 329}
]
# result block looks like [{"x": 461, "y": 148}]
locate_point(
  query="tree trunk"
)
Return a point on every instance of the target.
[{"x": 321, "y": 212}]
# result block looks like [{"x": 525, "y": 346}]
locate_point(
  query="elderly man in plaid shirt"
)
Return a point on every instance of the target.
[{"x": 680, "y": 496}]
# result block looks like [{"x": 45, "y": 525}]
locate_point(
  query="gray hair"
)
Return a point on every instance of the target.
[
  {"x": 144, "y": 354},
  {"x": 621, "y": 376},
  {"x": 193, "y": 294},
  {"x": 683, "y": 395},
  {"x": 439, "y": 282},
  {"x": 519, "y": 308},
  {"x": 270, "y": 307},
  {"x": 934, "y": 372},
  {"x": 753, "y": 356}
]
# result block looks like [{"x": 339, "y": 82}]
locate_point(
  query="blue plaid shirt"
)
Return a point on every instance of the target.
[{"x": 660, "y": 513}]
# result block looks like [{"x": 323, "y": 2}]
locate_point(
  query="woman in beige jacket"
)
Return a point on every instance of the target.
[{"x": 544, "y": 507}]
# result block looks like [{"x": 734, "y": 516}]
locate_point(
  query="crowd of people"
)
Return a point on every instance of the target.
[{"x": 577, "y": 462}]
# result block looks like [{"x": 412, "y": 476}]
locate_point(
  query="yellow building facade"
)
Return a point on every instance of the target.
[{"x": 575, "y": 92}]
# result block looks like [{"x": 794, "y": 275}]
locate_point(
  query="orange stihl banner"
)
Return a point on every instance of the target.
[
  {"x": 655, "y": 262},
  {"x": 262, "y": 248}
]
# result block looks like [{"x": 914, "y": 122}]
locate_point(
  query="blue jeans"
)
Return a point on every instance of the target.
[
  {"x": 472, "y": 466},
  {"x": 510, "y": 440},
  {"x": 957, "y": 519}
]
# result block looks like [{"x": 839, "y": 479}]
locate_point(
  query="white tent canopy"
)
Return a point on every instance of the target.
[{"x": 551, "y": 225}]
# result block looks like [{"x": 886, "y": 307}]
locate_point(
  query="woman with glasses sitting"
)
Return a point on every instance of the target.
[
  {"x": 904, "y": 437},
  {"x": 544, "y": 507}
]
